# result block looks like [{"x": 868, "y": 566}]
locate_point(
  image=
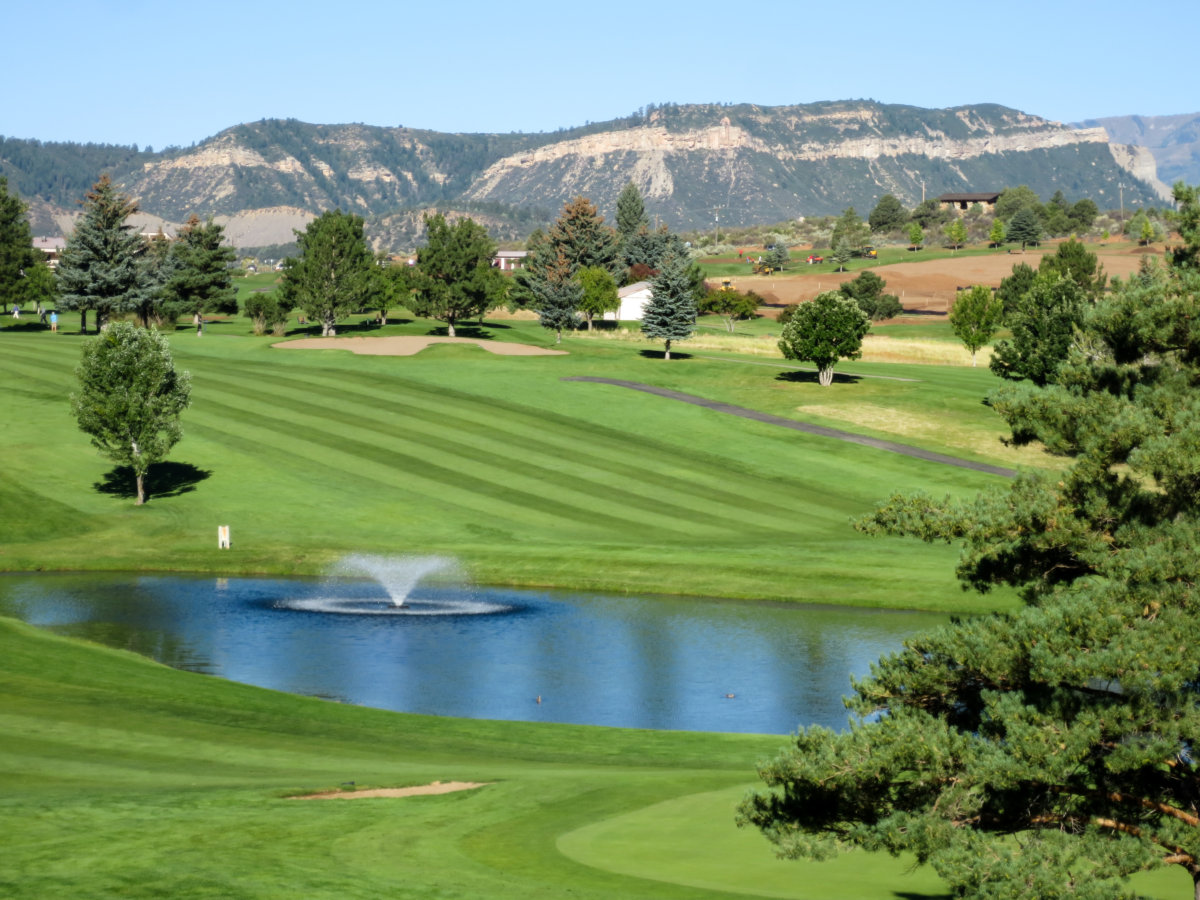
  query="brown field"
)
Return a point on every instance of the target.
[{"x": 930, "y": 286}]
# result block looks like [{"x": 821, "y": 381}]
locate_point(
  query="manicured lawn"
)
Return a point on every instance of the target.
[{"x": 525, "y": 477}]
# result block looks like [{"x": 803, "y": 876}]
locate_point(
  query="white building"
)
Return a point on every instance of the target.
[{"x": 634, "y": 298}]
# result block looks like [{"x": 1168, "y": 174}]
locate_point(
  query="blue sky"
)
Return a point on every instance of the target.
[{"x": 161, "y": 73}]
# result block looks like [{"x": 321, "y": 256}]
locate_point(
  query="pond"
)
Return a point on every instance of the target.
[{"x": 456, "y": 650}]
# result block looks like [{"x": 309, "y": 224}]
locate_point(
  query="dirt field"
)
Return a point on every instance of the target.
[{"x": 930, "y": 286}]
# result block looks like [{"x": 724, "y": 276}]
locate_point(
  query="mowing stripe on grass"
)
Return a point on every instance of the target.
[
  {"x": 445, "y": 434},
  {"x": 819, "y": 430}
]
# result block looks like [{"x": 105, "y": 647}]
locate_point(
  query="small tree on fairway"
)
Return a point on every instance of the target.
[
  {"x": 867, "y": 291},
  {"x": 916, "y": 237},
  {"x": 130, "y": 397},
  {"x": 851, "y": 229},
  {"x": 599, "y": 293},
  {"x": 956, "y": 234},
  {"x": 730, "y": 306},
  {"x": 101, "y": 268},
  {"x": 454, "y": 278},
  {"x": 1024, "y": 228},
  {"x": 976, "y": 316},
  {"x": 777, "y": 257},
  {"x": 671, "y": 313},
  {"x": 331, "y": 278},
  {"x": 998, "y": 234},
  {"x": 828, "y": 328},
  {"x": 841, "y": 255}
]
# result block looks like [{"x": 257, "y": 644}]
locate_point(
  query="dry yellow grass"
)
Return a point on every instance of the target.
[{"x": 942, "y": 428}]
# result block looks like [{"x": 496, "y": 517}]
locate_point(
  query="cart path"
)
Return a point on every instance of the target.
[{"x": 807, "y": 428}]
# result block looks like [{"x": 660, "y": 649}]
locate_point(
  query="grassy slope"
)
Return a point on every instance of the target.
[{"x": 308, "y": 455}]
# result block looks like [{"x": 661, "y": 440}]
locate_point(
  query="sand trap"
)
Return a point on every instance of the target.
[
  {"x": 408, "y": 345},
  {"x": 420, "y": 790}
]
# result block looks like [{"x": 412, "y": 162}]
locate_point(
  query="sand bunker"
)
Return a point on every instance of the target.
[
  {"x": 438, "y": 787},
  {"x": 408, "y": 345}
]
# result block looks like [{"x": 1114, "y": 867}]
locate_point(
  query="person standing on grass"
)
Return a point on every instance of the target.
[
  {"x": 54, "y": 321},
  {"x": 199, "y": 320}
]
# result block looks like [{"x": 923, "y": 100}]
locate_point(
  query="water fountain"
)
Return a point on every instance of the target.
[{"x": 410, "y": 585}]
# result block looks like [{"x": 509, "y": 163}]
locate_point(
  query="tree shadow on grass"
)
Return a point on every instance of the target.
[
  {"x": 163, "y": 479},
  {"x": 472, "y": 330},
  {"x": 802, "y": 377},
  {"x": 912, "y": 895},
  {"x": 660, "y": 354}
]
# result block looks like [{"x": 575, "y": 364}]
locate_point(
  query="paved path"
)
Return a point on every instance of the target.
[{"x": 820, "y": 430}]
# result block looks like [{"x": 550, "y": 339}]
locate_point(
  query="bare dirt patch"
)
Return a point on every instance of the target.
[
  {"x": 930, "y": 286},
  {"x": 420, "y": 790},
  {"x": 408, "y": 345}
]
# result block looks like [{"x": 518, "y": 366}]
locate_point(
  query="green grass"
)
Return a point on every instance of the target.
[{"x": 529, "y": 480}]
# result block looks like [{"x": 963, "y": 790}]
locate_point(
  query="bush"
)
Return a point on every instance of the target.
[{"x": 265, "y": 312}]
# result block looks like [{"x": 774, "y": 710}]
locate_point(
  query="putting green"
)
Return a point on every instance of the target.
[{"x": 692, "y": 841}]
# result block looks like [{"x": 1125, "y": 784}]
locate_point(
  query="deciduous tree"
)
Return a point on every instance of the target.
[
  {"x": 956, "y": 234},
  {"x": 331, "y": 277},
  {"x": 599, "y": 293},
  {"x": 850, "y": 229},
  {"x": 130, "y": 397},
  {"x": 916, "y": 236},
  {"x": 867, "y": 291},
  {"x": 828, "y": 328},
  {"x": 454, "y": 278},
  {"x": 730, "y": 305},
  {"x": 976, "y": 317},
  {"x": 998, "y": 234}
]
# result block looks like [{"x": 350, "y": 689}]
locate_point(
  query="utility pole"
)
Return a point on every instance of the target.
[
  {"x": 717, "y": 225},
  {"x": 1121, "y": 192}
]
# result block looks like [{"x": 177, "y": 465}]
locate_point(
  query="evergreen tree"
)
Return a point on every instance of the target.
[
  {"x": 851, "y": 230},
  {"x": 578, "y": 238},
  {"x": 200, "y": 281},
  {"x": 454, "y": 278},
  {"x": 1014, "y": 287},
  {"x": 101, "y": 267},
  {"x": 17, "y": 254},
  {"x": 1024, "y": 228},
  {"x": 1050, "y": 751},
  {"x": 671, "y": 313},
  {"x": 1188, "y": 255},
  {"x": 827, "y": 328},
  {"x": 867, "y": 291},
  {"x": 1075, "y": 261},
  {"x": 558, "y": 300},
  {"x": 331, "y": 277},
  {"x": 1043, "y": 326},
  {"x": 889, "y": 214},
  {"x": 130, "y": 397},
  {"x": 976, "y": 316},
  {"x": 631, "y": 213}
]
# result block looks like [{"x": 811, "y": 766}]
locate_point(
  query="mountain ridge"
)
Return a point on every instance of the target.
[{"x": 745, "y": 164}]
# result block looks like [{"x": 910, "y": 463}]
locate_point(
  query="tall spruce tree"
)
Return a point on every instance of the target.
[
  {"x": 17, "y": 254},
  {"x": 1024, "y": 227},
  {"x": 557, "y": 303},
  {"x": 578, "y": 238},
  {"x": 1050, "y": 751},
  {"x": 101, "y": 269},
  {"x": 631, "y": 213},
  {"x": 671, "y": 313},
  {"x": 200, "y": 280}
]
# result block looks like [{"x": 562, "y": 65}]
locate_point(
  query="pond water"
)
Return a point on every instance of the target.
[{"x": 487, "y": 653}]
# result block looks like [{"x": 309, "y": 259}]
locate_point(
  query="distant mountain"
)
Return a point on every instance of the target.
[
  {"x": 746, "y": 164},
  {"x": 1174, "y": 141}
]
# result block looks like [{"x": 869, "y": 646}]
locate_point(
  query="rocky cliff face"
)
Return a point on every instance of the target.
[
  {"x": 1172, "y": 141},
  {"x": 747, "y": 164}
]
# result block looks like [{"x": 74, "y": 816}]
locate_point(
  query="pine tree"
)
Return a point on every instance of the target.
[
  {"x": 1050, "y": 751},
  {"x": 578, "y": 238},
  {"x": 631, "y": 213},
  {"x": 16, "y": 248},
  {"x": 557, "y": 303},
  {"x": 101, "y": 267},
  {"x": 200, "y": 281},
  {"x": 1024, "y": 227},
  {"x": 671, "y": 313}
]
